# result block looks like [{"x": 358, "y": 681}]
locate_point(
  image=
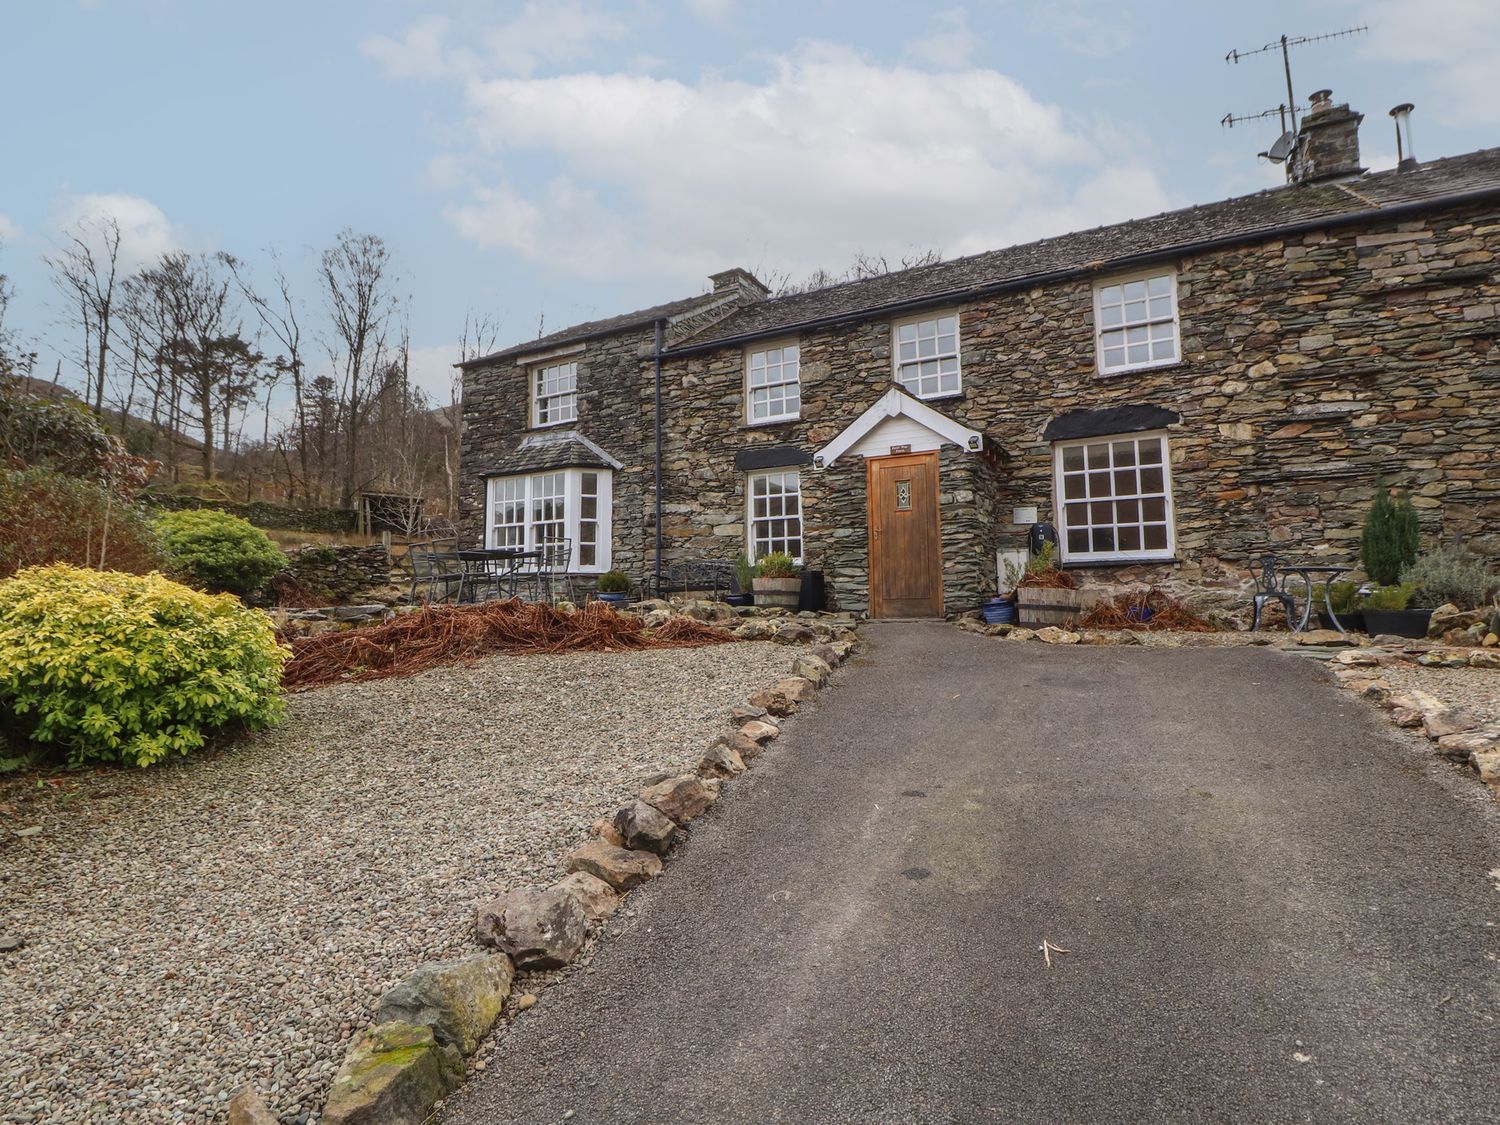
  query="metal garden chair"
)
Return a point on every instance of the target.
[
  {"x": 1270, "y": 586},
  {"x": 434, "y": 569}
]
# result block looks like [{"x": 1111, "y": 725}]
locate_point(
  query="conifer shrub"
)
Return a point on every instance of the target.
[
  {"x": 105, "y": 667},
  {"x": 217, "y": 551},
  {"x": 1390, "y": 538}
]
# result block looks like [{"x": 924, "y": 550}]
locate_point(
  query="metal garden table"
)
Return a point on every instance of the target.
[
  {"x": 1306, "y": 572},
  {"x": 482, "y": 564}
]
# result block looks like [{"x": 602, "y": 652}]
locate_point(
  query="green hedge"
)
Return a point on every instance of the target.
[
  {"x": 218, "y": 551},
  {"x": 277, "y": 517}
]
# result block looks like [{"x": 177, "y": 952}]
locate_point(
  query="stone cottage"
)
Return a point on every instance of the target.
[{"x": 1177, "y": 395}]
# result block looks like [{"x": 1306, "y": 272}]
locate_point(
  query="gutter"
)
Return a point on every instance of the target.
[
  {"x": 656, "y": 357},
  {"x": 1091, "y": 269}
]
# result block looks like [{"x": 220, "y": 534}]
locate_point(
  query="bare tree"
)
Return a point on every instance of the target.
[
  {"x": 864, "y": 266},
  {"x": 85, "y": 273},
  {"x": 280, "y": 316},
  {"x": 353, "y": 272}
]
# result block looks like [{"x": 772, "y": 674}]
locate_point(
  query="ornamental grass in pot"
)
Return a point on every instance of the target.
[
  {"x": 744, "y": 579},
  {"x": 776, "y": 582},
  {"x": 614, "y": 587}
]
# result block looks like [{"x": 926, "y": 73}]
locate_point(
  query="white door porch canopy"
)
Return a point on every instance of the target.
[{"x": 895, "y": 404}]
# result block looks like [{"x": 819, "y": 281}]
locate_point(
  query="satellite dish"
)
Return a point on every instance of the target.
[{"x": 1282, "y": 148}]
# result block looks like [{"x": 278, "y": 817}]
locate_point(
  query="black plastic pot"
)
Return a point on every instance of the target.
[
  {"x": 1354, "y": 621},
  {"x": 1397, "y": 622},
  {"x": 814, "y": 594},
  {"x": 739, "y": 599}
]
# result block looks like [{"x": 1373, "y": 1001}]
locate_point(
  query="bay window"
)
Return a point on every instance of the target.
[{"x": 574, "y": 504}]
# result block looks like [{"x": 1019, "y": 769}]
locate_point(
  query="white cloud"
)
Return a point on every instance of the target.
[
  {"x": 829, "y": 155},
  {"x": 541, "y": 34},
  {"x": 421, "y": 51},
  {"x": 1457, "y": 39},
  {"x": 9, "y": 229},
  {"x": 145, "y": 233},
  {"x": 1082, "y": 30},
  {"x": 711, "y": 11},
  {"x": 951, "y": 42}
]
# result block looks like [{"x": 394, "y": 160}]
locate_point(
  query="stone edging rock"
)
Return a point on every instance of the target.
[
  {"x": 399, "y": 1070},
  {"x": 1456, "y": 733}
]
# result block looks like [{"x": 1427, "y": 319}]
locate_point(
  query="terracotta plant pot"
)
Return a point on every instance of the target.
[{"x": 785, "y": 593}]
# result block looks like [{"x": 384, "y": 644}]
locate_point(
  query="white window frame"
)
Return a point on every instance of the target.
[
  {"x": 561, "y": 406},
  {"x": 770, "y": 385},
  {"x": 751, "y": 519},
  {"x": 937, "y": 355},
  {"x": 532, "y": 491},
  {"x": 1148, "y": 322},
  {"x": 1060, "y": 500}
]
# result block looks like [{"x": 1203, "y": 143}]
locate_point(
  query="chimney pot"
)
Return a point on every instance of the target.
[
  {"x": 1327, "y": 145},
  {"x": 1405, "y": 156}
]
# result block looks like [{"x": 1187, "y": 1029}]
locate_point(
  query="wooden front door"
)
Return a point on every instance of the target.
[{"x": 906, "y": 558}]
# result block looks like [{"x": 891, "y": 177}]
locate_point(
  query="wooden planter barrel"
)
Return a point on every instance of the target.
[
  {"x": 1036, "y": 607},
  {"x": 783, "y": 592}
]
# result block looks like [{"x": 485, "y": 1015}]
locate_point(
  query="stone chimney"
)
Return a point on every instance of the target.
[
  {"x": 1327, "y": 145},
  {"x": 739, "y": 283}
]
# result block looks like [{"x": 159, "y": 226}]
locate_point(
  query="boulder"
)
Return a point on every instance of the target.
[
  {"x": 621, "y": 868},
  {"x": 1440, "y": 721},
  {"x": 605, "y": 829},
  {"x": 811, "y": 668},
  {"x": 1487, "y": 762},
  {"x": 682, "y": 798},
  {"x": 744, "y": 712},
  {"x": 1322, "y": 638},
  {"x": 797, "y": 689},
  {"x": 747, "y": 748},
  {"x": 827, "y": 654},
  {"x": 792, "y": 633},
  {"x": 598, "y": 899},
  {"x": 538, "y": 929},
  {"x": 644, "y": 828},
  {"x": 1442, "y": 659},
  {"x": 394, "y": 1074},
  {"x": 1460, "y": 746},
  {"x": 1485, "y": 658},
  {"x": 755, "y": 629},
  {"x": 1021, "y": 634},
  {"x": 459, "y": 1000},
  {"x": 1052, "y": 635},
  {"x": 844, "y": 649},
  {"x": 1355, "y": 658},
  {"x": 759, "y": 730},
  {"x": 1448, "y": 616},
  {"x": 773, "y": 702},
  {"x": 246, "y": 1108},
  {"x": 721, "y": 761}
]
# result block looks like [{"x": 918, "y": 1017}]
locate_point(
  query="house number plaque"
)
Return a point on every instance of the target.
[{"x": 896, "y": 449}]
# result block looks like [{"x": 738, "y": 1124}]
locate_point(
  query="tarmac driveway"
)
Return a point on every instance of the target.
[{"x": 1277, "y": 909}]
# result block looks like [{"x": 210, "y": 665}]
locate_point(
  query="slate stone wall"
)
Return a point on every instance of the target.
[{"x": 1312, "y": 365}]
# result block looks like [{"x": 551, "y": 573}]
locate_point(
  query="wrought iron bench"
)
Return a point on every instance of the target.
[{"x": 713, "y": 576}]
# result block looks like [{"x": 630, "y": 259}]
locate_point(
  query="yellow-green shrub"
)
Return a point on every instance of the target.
[
  {"x": 218, "y": 551},
  {"x": 113, "y": 667}
]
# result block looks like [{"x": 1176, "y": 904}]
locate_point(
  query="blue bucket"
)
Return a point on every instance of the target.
[{"x": 999, "y": 611}]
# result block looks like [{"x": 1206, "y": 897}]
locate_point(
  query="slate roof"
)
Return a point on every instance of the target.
[
  {"x": 554, "y": 449},
  {"x": 1244, "y": 218},
  {"x": 592, "y": 329}
]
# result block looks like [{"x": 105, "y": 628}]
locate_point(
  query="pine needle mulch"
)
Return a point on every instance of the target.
[
  {"x": 457, "y": 634},
  {"x": 1167, "y": 613}
]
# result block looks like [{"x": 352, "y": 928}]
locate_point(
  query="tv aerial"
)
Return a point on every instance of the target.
[{"x": 1287, "y": 110}]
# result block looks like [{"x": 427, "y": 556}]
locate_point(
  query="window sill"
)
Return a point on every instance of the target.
[
  {"x": 950, "y": 396},
  {"x": 767, "y": 423},
  {"x": 537, "y": 426},
  {"x": 1121, "y": 372},
  {"x": 1123, "y": 560}
]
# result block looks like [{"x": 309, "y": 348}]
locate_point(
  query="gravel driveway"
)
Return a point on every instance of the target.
[{"x": 233, "y": 918}]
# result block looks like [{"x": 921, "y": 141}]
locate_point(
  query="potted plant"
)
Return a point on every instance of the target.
[
  {"x": 1347, "y": 604},
  {"x": 744, "y": 577},
  {"x": 999, "y": 609},
  {"x": 614, "y": 587},
  {"x": 1386, "y": 613},
  {"x": 776, "y": 581},
  {"x": 1449, "y": 576}
]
